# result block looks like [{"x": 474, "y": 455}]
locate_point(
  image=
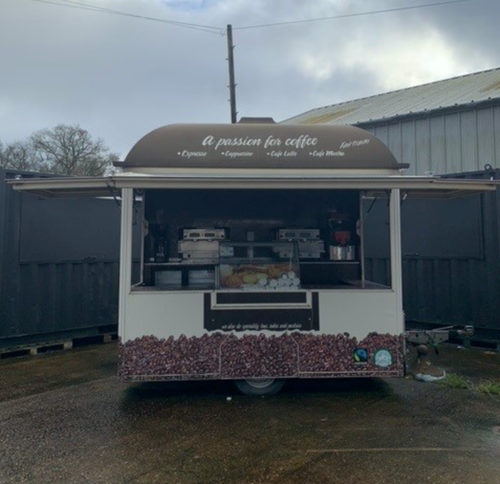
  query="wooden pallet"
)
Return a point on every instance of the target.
[{"x": 59, "y": 345}]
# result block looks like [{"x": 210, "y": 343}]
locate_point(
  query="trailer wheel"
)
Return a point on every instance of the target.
[{"x": 259, "y": 386}]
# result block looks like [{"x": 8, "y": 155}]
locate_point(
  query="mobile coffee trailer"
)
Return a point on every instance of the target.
[{"x": 252, "y": 253}]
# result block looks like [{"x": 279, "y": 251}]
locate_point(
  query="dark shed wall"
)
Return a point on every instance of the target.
[
  {"x": 51, "y": 296},
  {"x": 449, "y": 142},
  {"x": 453, "y": 279},
  {"x": 3, "y": 230}
]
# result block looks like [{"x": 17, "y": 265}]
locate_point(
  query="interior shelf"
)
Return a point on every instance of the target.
[{"x": 327, "y": 262}]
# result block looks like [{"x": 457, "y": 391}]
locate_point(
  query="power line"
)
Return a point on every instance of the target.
[
  {"x": 360, "y": 14},
  {"x": 118, "y": 12},
  {"x": 219, "y": 30},
  {"x": 84, "y": 6}
]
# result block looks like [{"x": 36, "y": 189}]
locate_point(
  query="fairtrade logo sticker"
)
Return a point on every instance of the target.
[
  {"x": 382, "y": 358},
  {"x": 360, "y": 355}
]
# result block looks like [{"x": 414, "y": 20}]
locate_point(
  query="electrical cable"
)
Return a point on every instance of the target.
[
  {"x": 360, "y": 14},
  {"x": 93, "y": 8},
  {"x": 118, "y": 12},
  {"x": 220, "y": 31}
]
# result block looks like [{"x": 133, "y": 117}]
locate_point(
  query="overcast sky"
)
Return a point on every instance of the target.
[{"x": 121, "y": 77}]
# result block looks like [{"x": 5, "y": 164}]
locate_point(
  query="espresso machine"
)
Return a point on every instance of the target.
[
  {"x": 309, "y": 242},
  {"x": 201, "y": 245}
]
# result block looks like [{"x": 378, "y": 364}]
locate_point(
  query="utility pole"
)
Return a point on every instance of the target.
[{"x": 232, "y": 84}]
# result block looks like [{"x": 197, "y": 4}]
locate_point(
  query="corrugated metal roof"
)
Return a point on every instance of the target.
[{"x": 457, "y": 91}]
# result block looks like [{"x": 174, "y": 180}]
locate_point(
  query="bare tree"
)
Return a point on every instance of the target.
[
  {"x": 70, "y": 150},
  {"x": 62, "y": 150},
  {"x": 21, "y": 155}
]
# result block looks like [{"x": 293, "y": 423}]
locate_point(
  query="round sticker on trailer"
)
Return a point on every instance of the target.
[
  {"x": 382, "y": 358},
  {"x": 360, "y": 355}
]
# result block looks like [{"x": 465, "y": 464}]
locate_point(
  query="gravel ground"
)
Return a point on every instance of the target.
[{"x": 65, "y": 418}]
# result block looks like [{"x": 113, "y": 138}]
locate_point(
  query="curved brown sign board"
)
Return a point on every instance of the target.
[{"x": 260, "y": 146}]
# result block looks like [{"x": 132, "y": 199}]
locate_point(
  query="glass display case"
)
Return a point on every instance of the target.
[{"x": 259, "y": 266}]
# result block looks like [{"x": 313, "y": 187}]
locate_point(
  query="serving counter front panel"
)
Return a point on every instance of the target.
[{"x": 330, "y": 338}]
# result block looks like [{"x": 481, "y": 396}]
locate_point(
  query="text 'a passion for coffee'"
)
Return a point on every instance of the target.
[{"x": 302, "y": 141}]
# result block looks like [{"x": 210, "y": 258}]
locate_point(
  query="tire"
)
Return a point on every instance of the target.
[{"x": 259, "y": 386}]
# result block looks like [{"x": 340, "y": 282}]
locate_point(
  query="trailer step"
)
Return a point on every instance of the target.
[{"x": 59, "y": 345}]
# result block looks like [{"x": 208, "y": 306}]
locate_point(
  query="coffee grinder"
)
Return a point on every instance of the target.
[{"x": 341, "y": 227}]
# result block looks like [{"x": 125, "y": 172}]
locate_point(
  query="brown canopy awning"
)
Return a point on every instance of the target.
[{"x": 260, "y": 146}]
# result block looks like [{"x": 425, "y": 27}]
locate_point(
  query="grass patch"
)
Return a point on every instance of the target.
[
  {"x": 490, "y": 387},
  {"x": 455, "y": 381}
]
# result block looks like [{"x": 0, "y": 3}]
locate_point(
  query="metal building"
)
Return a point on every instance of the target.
[
  {"x": 452, "y": 128},
  {"x": 449, "y": 126}
]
